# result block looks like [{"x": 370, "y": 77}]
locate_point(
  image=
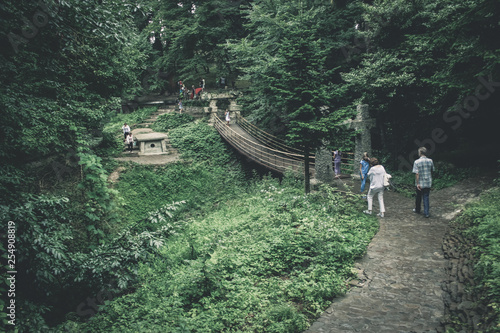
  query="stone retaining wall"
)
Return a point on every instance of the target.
[{"x": 465, "y": 310}]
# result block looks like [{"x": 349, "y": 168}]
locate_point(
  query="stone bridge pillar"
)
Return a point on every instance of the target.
[
  {"x": 213, "y": 111},
  {"x": 323, "y": 165},
  {"x": 234, "y": 108},
  {"x": 362, "y": 124}
]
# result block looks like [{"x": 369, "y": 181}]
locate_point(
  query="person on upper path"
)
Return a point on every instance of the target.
[
  {"x": 422, "y": 168},
  {"x": 364, "y": 166},
  {"x": 126, "y": 130},
  {"x": 376, "y": 174}
]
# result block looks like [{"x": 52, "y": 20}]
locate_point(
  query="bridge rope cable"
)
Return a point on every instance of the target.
[
  {"x": 272, "y": 141},
  {"x": 266, "y": 138},
  {"x": 277, "y": 160}
]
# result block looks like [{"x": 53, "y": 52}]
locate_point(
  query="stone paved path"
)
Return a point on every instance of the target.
[{"x": 399, "y": 279}]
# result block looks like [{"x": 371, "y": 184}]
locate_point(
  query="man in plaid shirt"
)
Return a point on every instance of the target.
[{"x": 422, "y": 168}]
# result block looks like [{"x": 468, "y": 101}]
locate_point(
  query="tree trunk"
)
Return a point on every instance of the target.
[{"x": 307, "y": 180}]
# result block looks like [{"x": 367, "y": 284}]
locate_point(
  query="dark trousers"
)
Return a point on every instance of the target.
[
  {"x": 131, "y": 146},
  {"x": 422, "y": 194},
  {"x": 125, "y": 135}
]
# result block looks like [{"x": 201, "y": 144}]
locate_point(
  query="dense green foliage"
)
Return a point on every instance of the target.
[
  {"x": 187, "y": 37},
  {"x": 202, "y": 143},
  {"x": 54, "y": 268},
  {"x": 428, "y": 69},
  {"x": 59, "y": 80},
  {"x": 288, "y": 57},
  {"x": 266, "y": 261},
  {"x": 171, "y": 120},
  {"x": 481, "y": 220},
  {"x": 421, "y": 73}
]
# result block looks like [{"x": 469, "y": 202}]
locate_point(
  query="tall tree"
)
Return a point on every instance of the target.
[
  {"x": 188, "y": 34},
  {"x": 420, "y": 69},
  {"x": 61, "y": 64},
  {"x": 292, "y": 58}
]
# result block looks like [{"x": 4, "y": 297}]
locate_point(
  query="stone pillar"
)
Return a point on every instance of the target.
[
  {"x": 234, "y": 108},
  {"x": 323, "y": 165},
  {"x": 213, "y": 111},
  {"x": 362, "y": 124}
]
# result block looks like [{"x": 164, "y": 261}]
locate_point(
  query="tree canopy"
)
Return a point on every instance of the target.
[{"x": 428, "y": 69}]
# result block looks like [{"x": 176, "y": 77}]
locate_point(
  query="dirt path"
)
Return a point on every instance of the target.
[{"x": 400, "y": 277}]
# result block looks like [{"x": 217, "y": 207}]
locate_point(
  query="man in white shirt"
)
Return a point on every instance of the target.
[{"x": 126, "y": 130}]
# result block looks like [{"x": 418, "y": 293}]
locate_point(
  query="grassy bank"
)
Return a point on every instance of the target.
[
  {"x": 482, "y": 220},
  {"x": 268, "y": 261},
  {"x": 255, "y": 255}
]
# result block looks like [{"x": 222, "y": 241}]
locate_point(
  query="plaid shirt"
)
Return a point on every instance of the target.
[{"x": 423, "y": 167}]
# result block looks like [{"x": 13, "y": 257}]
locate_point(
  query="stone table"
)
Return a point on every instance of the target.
[{"x": 152, "y": 143}]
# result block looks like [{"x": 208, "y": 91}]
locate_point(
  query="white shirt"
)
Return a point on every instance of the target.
[{"x": 376, "y": 175}]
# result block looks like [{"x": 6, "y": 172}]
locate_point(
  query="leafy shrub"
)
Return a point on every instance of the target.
[
  {"x": 202, "y": 143},
  {"x": 268, "y": 261},
  {"x": 51, "y": 268},
  {"x": 484, "y": 220},
  {"x": 168, "y": 121},
  {"x": 196, "y": 102},
  {"x": 11, "y": 182},
  {"x": 111, "y": 144}
]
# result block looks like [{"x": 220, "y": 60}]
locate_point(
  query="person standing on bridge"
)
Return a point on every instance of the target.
[
  {"x": 337, "y": 156},
  {"x": 376, "y": 174},
  {"x": 228, "y": 117},
  {"x": 422, "y": 168}
]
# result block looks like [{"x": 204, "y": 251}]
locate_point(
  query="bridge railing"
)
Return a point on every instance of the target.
[
  {"x": 274, "y": 159},
  {"x": 268, "y": 139},
  {"x": 271, "y": 151}
]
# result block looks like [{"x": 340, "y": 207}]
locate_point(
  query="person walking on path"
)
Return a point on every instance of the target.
[
  {"x": 376, "y": 174},
  {"x": 422, "y": 168},
  {"x": 126, "y": 130},
  {"x": 130, "y": 142},
  {"x": 228, "y": 117},
  {"x": 337, "y": 156},
  {"x": 364, "y": 166}
]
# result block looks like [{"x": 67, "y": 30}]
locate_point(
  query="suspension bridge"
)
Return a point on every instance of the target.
[{"x": 270, "y": 151}]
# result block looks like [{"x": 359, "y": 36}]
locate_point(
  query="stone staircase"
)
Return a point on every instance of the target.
[{"x": 148, "y": 122}]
